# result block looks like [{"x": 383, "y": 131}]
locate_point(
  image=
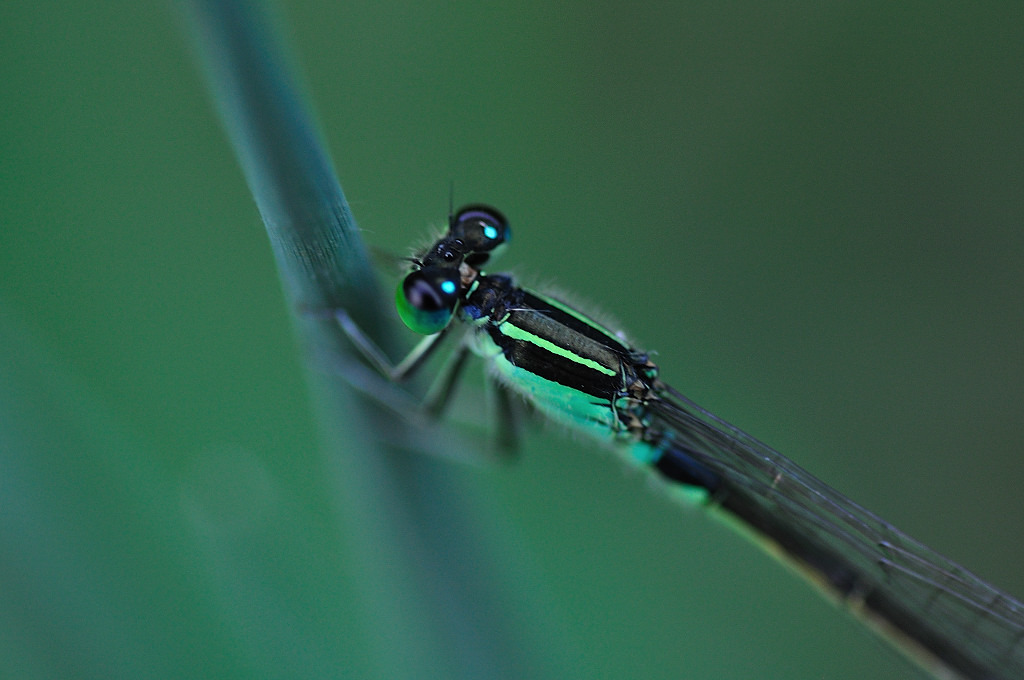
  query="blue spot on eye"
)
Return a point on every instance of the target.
[
  {"x": 490, "y": 232},
  {"x": 448, "y": 287}
]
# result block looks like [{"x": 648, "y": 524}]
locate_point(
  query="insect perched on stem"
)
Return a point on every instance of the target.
[{"x": 576, "y": 371}]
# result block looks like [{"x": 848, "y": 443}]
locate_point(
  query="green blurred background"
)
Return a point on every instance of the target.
[{"x": 812, "y": 212}]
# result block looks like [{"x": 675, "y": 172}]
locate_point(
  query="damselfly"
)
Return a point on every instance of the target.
[{"x": 580, "y": 373}]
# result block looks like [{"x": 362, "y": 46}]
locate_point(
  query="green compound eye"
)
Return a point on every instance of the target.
[{"x": 426, "y": 299}]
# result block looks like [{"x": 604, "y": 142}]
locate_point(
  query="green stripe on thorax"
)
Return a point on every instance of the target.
[{"x": 511, "y": 330}]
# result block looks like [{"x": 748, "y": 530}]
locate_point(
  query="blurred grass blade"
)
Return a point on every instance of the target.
[
  {"x": 428, "y": 570},
  {"x": 319, "y": 253}
]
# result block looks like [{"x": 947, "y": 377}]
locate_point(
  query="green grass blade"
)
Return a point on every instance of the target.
[
  {"x": 322, "y": 260},
  {"x": 429, "y": 573}
]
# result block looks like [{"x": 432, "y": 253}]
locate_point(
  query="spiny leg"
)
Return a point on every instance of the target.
[
  {"x": 508, "y": 412},
  {"x": 506, "y": 407},
  {"x": 376, "y": 377},
  {"x": 376, "y": 356},
  {"x": 379, "y": 383},
  {"x": 442, "y": 390}
]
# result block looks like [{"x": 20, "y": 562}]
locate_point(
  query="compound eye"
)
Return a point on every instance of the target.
[
  {"x": 426, "y": 299},
  {"x": 481, "y": 228}
]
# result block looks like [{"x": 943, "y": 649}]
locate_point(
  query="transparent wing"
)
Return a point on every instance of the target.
[{"x": 936, "y": 610}]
